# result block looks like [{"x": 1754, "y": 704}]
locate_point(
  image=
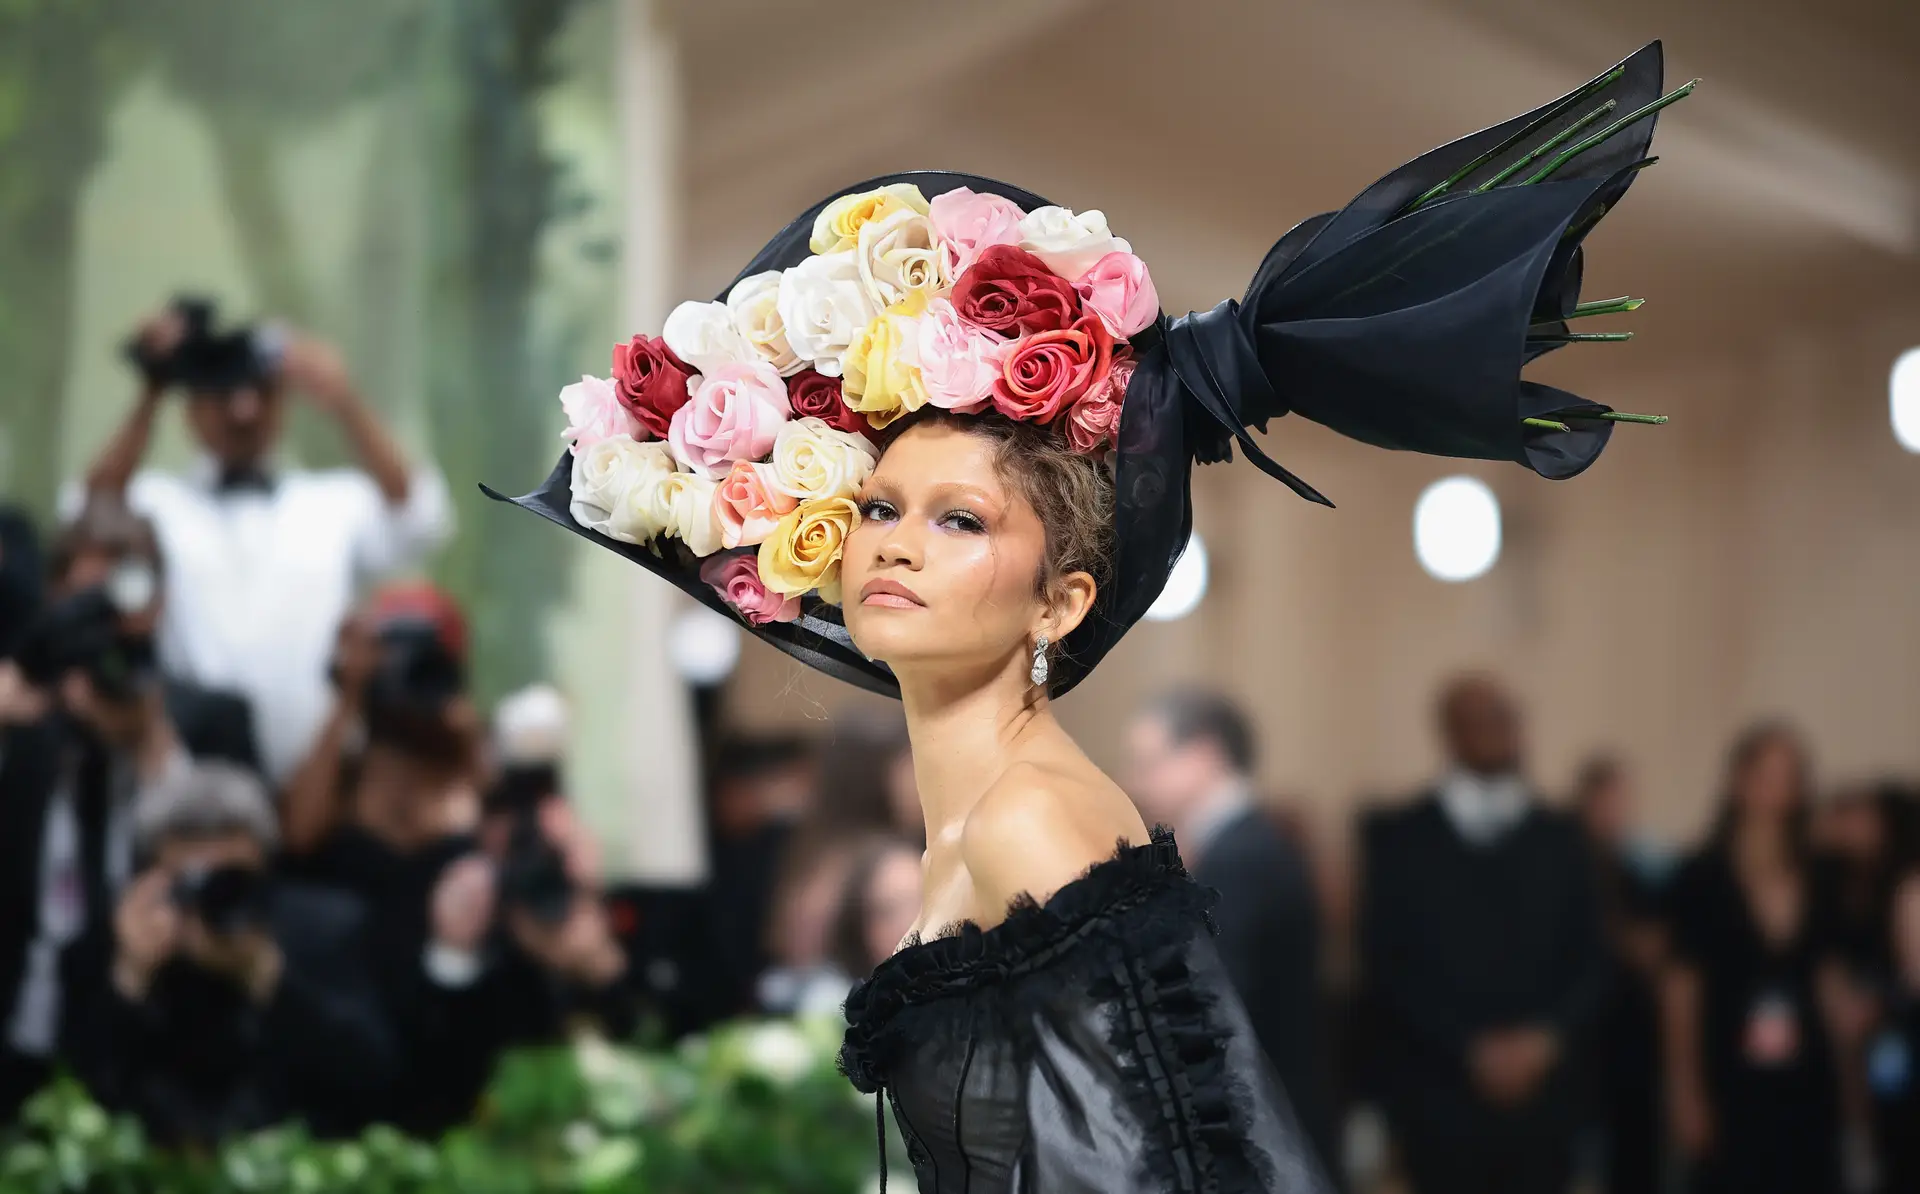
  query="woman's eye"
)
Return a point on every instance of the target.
[
  {"x": 875, "y": 509},
  {"x": 963, "y": 520}
]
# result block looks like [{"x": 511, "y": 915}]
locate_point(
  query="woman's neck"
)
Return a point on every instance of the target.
[
  {"x": 1762, "y": 845},
  {"x": 963, "y": 729}
]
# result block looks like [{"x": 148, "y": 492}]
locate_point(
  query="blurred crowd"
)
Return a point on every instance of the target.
[{"x": 262, "y": 857}]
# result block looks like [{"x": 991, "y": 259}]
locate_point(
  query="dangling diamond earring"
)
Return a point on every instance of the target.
[{"x": 1039, "y": 673}]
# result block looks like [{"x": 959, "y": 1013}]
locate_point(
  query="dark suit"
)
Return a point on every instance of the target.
[
  {"x": 1460, "y": 938},
  {"x": 1270, "y": 941},
  {"x": 197, "y": 1060},
  {"x": 213, "y": 724}
]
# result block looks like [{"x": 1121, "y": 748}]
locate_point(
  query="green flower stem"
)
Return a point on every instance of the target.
[
  {"x": 1545, "y": 425},
  {"x": 1613, "y": 416},
  {"x": 1582, "y": 338},
  {"x": 1533, "y": 155},
  {"x": 1545, "y": 118},
  {"x": 1679, "y": 93}
]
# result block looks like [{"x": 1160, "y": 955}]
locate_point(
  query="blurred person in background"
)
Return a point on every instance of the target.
[
  {"x": 801, "y": 977},
  {"x": 1865, "y": 842},
  {"x": 760, "y": 789},
  {"x": 86, "y": 723},
  {"x": 1484, "y": 965},
  {"x": 866, "y": 781},
  {"x": 22, "y": 573},
  {"x": 1751, "y": 1082},
  {"x": 265, "y": 559},
  {"x": 235, "y": 1001},
  {"x": 878, "y": 905},
  {"x": 1893, "y": 1055},
  {"x": 522, "y": 948},
  {"x": 1193, "y": 754},
  {"x": 1630, "y": 871}
]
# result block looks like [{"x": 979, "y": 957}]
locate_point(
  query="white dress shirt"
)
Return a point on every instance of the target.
[
  {"x": 1481, "y": 807},
  {"x": 258, "y": 581}
]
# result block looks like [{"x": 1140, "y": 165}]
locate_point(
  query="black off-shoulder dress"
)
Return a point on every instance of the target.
[{"x": 1090, "y": 1044}]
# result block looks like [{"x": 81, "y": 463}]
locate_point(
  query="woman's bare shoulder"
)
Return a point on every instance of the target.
[{"x": 1040, "y": 827}]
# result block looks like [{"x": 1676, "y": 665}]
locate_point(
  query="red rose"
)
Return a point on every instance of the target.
[
  {"x": 1009, "y": 291},
  {"x": 650, "y": 382},
  {"x": 1042, "y": 374},
  {"x": 814, "y": 395}
]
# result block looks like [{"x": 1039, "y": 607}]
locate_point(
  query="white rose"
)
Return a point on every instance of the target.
[
  {"x": 898, "y": 254},
  {"x": 703, "y": 335},
  {"x": 605, "y": 475},
  {"x": 754, "y": 304},
  {"x": 645, "y": 510},
  {"x": 1069, "y": 244},
  {"x": 814, "y": 460},
  {"x": 823, "y": 305},
  {"x": 690, "y": 499}
]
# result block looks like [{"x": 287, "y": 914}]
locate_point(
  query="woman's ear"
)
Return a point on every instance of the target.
[{"x": 1069, "y": 600}]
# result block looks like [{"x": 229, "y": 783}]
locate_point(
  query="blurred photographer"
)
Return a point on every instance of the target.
[
  {"x": 522, "y": 946},
  {"x": 266, "y": 558},
  {"x": 86, "y": 723},
  {"x": 236, "y": 1001}
]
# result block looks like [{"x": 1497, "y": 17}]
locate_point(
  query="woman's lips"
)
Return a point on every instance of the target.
[{"x": 889, "y": 593}]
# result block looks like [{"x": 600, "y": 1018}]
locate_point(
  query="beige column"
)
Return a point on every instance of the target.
[{"x": 658, "y": 835}]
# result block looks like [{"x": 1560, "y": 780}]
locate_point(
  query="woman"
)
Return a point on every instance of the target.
[
  {"x": 1751, "y": 1081},
  {"x": 1057, "y": 1018},
  {"x": 878, "y": 905}
]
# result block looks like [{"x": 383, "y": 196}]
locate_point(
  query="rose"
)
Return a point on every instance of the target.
[
  {"x": 823, "y": 306},
  {"x": 691, "y": 519},
  {"x": 815, "y": 396},
  {"x": 593, "y": 413},
  {"x": 736, "y": 576},
  {"x": 958, "y": 361},
  {"x": 1069, "y": 244},
  {"x": 651, "y": 382},
  {"x": 703, "y": 335},
  {"x": 812, "y": 460},
  {"x": 605, "y": 475},
  {"x": 803, "y": 552},
  {"x": 754, "y": 304},
  {"x": 1120, "y": 291},
  {"x": 881, "y": 377},
  {"x": 1011, "y": 292},
  {"x": 733, "y": 415},
  {"x": 1094, "y": 421},
  {"x": 968, "y": 222},
  {"x": 898, "y": 256},
  {"x": 1043, "y": 374},
  {"x": 838, "y": 225},
  {"x": 748, "y": 505}
]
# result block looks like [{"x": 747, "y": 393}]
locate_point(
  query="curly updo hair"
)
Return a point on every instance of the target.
[{"x": 1071, "y": 491}]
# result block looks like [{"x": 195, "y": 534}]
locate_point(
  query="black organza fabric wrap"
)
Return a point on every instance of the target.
[{"x": 1399, "y": 325}]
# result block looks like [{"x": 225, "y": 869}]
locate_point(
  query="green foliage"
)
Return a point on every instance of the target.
[{"x": 754, "y": 1107}]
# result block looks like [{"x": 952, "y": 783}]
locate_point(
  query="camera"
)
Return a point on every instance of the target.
[
  {"x": 227, "y": 899},
  {"x": 416, "y": 675},
  {"x": 84, "y": 632},
  {"x": 209, "y": 359},
  {"x": 529, "y": 733}
]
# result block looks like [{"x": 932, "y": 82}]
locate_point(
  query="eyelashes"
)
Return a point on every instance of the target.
[{"x": 965, "y": 521}]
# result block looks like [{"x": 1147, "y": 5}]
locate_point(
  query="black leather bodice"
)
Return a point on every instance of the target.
[{"x": 1092, "y": 1045}]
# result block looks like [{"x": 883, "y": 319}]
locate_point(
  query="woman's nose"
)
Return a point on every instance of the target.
[{"x": 900, "y": 546}]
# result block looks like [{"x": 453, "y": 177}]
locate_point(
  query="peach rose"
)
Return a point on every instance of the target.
[{"x": 748, "y": 504}]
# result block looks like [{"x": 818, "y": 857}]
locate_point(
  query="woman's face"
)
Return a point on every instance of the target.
[
  {"x": 892, "y": 903},
  {"x": 1770, "y": 782},
  {"x": 943, "y": 567}
]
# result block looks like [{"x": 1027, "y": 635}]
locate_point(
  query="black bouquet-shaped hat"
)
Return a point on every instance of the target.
[{"x": 723, "y": 455}]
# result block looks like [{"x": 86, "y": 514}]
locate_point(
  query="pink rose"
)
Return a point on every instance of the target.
[
  {"x": 734, "y": 413},
  {"x": 1120, "y": 291},
  {"x": 747, "y": 504},
  {"x": 958, "y": 361},
  {"x": 736, "y": 576},
  {"x": 594, "y": 413},
  {"x": 966, "y": 222},
  {"x": 1093, "y": 423},
  {"x": 1043, "y": 374}
]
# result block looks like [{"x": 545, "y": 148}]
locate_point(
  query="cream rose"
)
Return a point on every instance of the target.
[
  {"x": 689, "y": 500},
  {"x": 1068, "y": 244},
  {"x": 823, "y": 306},
  {"x": 754, "y": 304},
  {"x": 882, "y": 368},
  {"x": 899, "y": 255},
  {"x": 803, "y": 552},
  {"x": 605, "y": 475},
  {"x": 703, "y": 335},
  {"x": 813, "y": 460},
  {"x": 838, "y": 225}
]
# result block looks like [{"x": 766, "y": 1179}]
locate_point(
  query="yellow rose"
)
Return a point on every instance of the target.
[
  {"x": 880, "y": 371},
  {"x": 837, "y": 226},
  {"x": 803, "y": 552}
]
